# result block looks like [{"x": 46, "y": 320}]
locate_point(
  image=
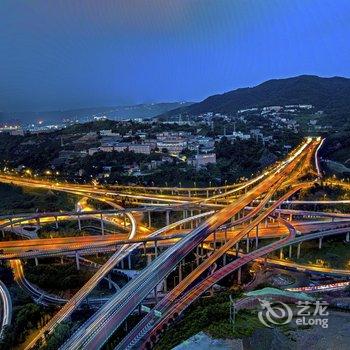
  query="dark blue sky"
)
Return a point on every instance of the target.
[{"x": 57, "y": 54}]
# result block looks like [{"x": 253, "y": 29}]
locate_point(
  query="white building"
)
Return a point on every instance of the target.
[{"x": 202, "y": 160}]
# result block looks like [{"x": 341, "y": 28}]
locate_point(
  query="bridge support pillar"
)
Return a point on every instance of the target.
[
  {"x": 79, "y": 223},
  {"x": 237, "y": 248},
  {"x": 281, "y": 254},
  {"x": 247, "y": 242},
  {"x": 61, "y": 260},
  {"x": 290, "y": 217},
  {"x": 320, "y": 242},
  {"x": 239, "y": 276},
  {"x": 102, "y": 225},
  {"x": 129, "y": 261},
  {"x": 149, "y": 219},
  {"x": 165, "y": 285},
  {"x": 155, "y": 248},
  {"x": 77, "y": 260},
  {"x": 11, "y": 223},
  {"x": 347, "y": 238},
  {"x": 197, "y": 255},
  {"x": 167, "y": 218},
  {"x": 256, "y": 236},
  {"x": 266, "y": 222},
  {"x": 290, "y": 251},
  {"x": 214, "y": 239},
  {"x": 191, "y": 213},
  {"x": 124, "y": 219},
  {"x": 56, "y": 222},
  {"x": 149, "y": 259},
  {"x": 180, "y": 271},
  {"x": 155, "y": 295},
  {"x": 298, "y": 250},
  {"x": 109, "y": 281},
  {"x": 36, "y": 261},
  {"x": 3, "y": 233}
]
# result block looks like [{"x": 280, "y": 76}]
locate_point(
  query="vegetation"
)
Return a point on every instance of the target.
[
  {"x": 17, "y": 199},
  {"x": 57, "y": 277},
  {"x": 211, "y": 316},
  {"x": 304, "y": 89}
]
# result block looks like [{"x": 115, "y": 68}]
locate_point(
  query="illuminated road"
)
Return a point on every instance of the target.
[
  {"x": 6, "y": 307},
  {"x": 95, "y": 332}
]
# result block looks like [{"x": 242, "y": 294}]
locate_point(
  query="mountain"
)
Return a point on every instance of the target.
[
  {"x": 328, "y": 94},
  {"x": 117, "y": 112}
]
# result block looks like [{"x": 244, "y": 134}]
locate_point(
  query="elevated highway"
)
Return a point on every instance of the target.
[{"x": 95, "y": 332}]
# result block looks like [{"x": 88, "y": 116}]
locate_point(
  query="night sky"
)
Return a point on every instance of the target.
[{"x": 57, "y": 54}]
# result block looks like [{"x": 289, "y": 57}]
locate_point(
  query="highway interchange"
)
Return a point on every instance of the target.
[{"x": 217, "y": 219}]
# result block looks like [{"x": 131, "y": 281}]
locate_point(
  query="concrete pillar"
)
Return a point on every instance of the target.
[
  {"x": 79, "y": 223},
  {"x": 149, "y": 219},
  {"x": 124, "y": 219},
  {"x": 109, "y": 281},
  {"x": 197, "y": 255},
  {"x": 191, "y": 213},
  {"x": 167, "y": 218},
  {"x": 11, "y": 223},
  {"x": 180, "y": 271},
  {"x": 266, "y": 222},
  {"x": 144, "y": 249},
  {"x": 256, "y": 236},
  {"x": 149, "y": 259},
  {"x": 56, "y": 222},
  {"x": 247, "y": 242},
  {"x": 102, "y": 225},
  {"x": 129, "y": 261},
  {"x": 239, "y": 276},
  {"x": 290, "y": 217},
  {"x": 281, "y": 254},
  {"x": 3, "y": 233},
  {"x": 155, "y": 248},
  {"x": 225, "y": 232},
  {"x": 214, "y": 237},
  {"x": 290, "y": 251},
  {"x": 320, "y": 242},
  {"x": 155, "y": 295},
  {"x": 298, "y": 251},
  {"x": 237, "y": 248},
  {"x": 165, "y": 286},
  {"x": 36, "y": 261},
  {"x": 347, "y": 238},
  {"x": 77, "y": 260}
]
